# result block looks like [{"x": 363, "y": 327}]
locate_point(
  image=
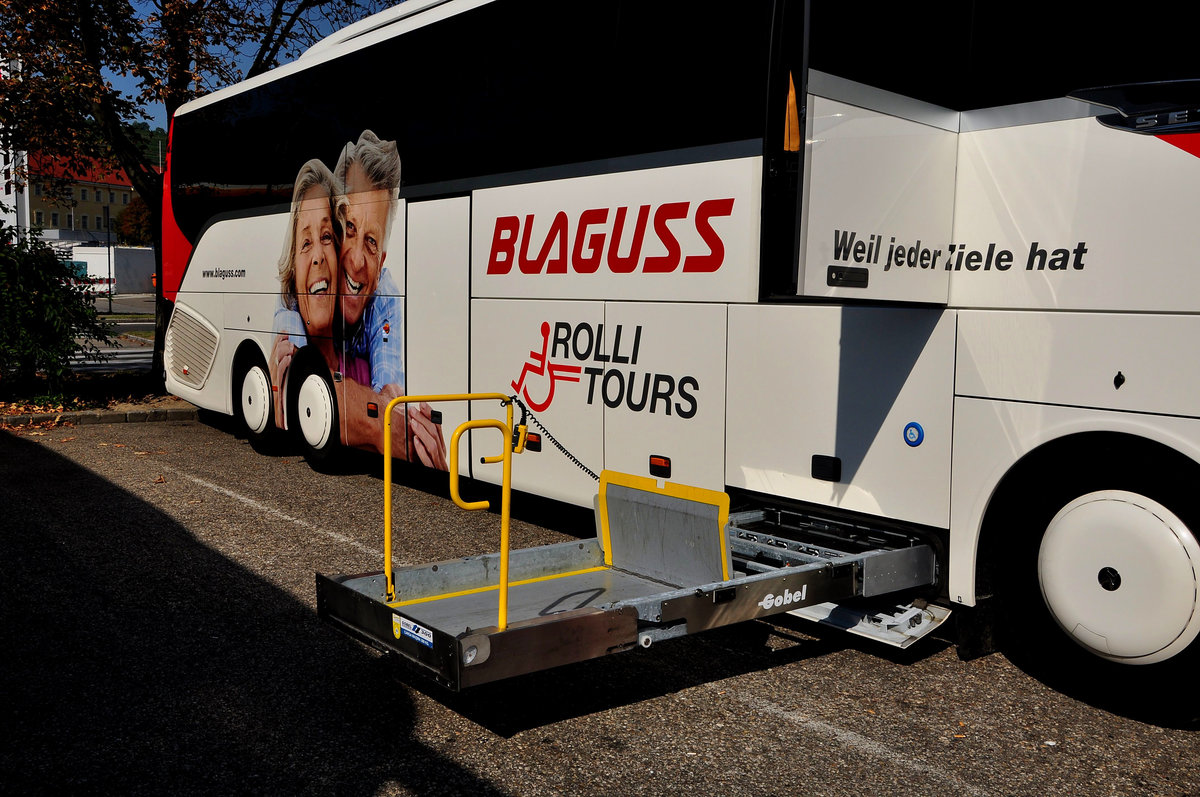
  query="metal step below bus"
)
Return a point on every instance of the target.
[{"x": 667, "y": 561}]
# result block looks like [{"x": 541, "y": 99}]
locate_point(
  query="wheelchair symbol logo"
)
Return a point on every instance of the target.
[
  {"x": 914, "y": 435},
  {"x": 548, "y": 373}
]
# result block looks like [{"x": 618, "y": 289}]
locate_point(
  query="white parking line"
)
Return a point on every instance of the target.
[
  {"x": 852, "y": 740},
  {"x": 273, "y": 512}
]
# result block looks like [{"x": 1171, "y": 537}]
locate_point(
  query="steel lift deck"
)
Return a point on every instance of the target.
[{"x": 667, "y": 560}]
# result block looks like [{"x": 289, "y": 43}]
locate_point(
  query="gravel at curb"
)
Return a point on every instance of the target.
[{"x": 103, "y": 416}]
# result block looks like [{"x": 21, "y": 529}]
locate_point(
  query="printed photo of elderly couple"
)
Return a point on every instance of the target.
[{"x": 337, "y": 295}]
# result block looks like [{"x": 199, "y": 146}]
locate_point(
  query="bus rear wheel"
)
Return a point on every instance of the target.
[{"x": 312, "y": 407}]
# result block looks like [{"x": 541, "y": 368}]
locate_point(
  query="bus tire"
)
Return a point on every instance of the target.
[
  {"x": 254, "y": 405},
  {"x": 312, "y": 407},
  {"x": 1101, "y": 593},
  {"x": 1117, "y": 572}
]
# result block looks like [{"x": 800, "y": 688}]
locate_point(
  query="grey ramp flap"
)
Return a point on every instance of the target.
[{"x": 674, "y": 534}]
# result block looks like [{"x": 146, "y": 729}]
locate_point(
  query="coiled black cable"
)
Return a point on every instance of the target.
[{"x": 526, "y": 414}]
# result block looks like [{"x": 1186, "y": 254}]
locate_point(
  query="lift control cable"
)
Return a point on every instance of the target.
[{"x": 526, "y": 413}]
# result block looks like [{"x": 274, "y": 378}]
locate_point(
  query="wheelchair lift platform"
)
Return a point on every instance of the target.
[{"x": 666, "y": 561}]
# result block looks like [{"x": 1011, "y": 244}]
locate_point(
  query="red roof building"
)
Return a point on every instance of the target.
[{"x": 71, "y": 207}]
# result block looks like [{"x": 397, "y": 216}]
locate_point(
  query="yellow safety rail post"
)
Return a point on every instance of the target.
[{"x": 506, "y": 482}]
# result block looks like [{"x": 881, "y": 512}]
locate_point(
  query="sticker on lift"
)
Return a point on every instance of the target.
[
  {"x": 914, "y": 435},
  {"x": 402, "y": 626}
]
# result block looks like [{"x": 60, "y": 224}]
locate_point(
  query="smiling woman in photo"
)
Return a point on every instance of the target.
[{"x": 308, "y": 275}]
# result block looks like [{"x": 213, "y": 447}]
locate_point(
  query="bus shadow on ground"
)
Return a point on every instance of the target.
[
  {"x": 138, "y": 660},
  {"x": 1142, "y": 694}
]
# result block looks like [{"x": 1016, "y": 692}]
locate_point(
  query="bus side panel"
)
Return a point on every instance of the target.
[
  {"x": 848, "y": 407},
  {"x": 437, "y": 345},
  {"x": 880, "y": 199},
  {"x": 1138, "y": 363},
  {"x": 991, "y": 436},
  {"x": 233, "y": 284},
  {"x": 1090, "y": 218},
  {"x": 539, "y": 350},
  {"x": 663, "y": 389}
]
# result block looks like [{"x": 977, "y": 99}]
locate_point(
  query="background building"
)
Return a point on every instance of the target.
[{"x": 75, "y": 207}]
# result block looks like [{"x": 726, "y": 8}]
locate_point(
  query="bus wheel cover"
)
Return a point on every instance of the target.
[
  {"x": 315, "y": 411},
  {"x": 1118, "y": 573},
  {"x": 254, "y": 400}
]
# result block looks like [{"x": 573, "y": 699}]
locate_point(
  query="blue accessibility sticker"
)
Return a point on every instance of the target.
[
  {"x": 402, "y": 626},
  {"x": 914, "y": 435}
]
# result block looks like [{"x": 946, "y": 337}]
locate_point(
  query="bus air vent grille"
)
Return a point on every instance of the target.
[{"x": 190, "y": 348}]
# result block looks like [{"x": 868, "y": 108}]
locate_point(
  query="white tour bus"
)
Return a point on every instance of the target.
[{"x": 927, "y": 270}]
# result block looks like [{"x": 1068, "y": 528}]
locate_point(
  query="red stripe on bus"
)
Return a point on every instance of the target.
[
  {"x": 177, "y": 249},
  {"x": 1188, "y": 142}
]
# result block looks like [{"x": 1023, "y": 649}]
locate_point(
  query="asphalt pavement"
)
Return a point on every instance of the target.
[{"x": 160, "y": 636}]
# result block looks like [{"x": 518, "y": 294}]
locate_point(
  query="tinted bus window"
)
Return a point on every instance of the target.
[
  {"x": 507, "y": 87},
  {"x": 968, "y": 55}
]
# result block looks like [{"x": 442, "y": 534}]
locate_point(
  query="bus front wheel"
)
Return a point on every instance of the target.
[
  {"x": 1100, "y": 595},
  {"x": 253, "y": 402},
  {"x": 1117, "y": 573}
]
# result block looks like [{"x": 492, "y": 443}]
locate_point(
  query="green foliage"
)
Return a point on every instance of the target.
[
  {"x": 135, "y": 225},
  {"x": 46, "y": 315},
  {"x": 57, "y": 61},
  {"x": 151, "y": 143}
]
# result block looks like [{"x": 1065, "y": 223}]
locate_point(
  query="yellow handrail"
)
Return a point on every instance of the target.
[
  {"x": 506, "y": 431},
  {"x": 506, "y": 482}
]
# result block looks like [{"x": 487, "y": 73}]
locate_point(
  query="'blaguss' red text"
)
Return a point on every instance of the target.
[{"x": 612, "y": 237}]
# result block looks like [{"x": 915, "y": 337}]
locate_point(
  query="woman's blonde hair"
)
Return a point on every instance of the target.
[{"x": 312, "y": 174}]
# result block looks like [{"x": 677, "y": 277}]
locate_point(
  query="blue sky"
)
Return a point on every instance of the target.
[{"x": 127, "y": 85}]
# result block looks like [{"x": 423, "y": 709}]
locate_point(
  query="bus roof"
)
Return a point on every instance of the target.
[
  {"x": 374, "y": 22},
  {"x": 373, "y": 28}
]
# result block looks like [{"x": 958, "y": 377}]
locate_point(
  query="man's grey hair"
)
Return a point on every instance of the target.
[
  {"x": 380, "y": 162},
  {"x": 313, "y": 174}
]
